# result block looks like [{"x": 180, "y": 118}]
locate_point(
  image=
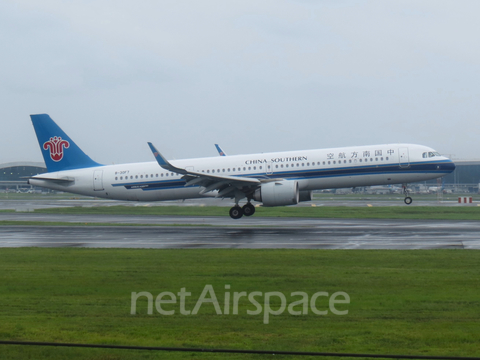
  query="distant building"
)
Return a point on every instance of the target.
[
  {"x": 466, "y": 176},
  {"x": 12, "y": 175}
]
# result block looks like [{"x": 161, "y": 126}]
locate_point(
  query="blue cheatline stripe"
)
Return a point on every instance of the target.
[{"x": 418, "y": 167}]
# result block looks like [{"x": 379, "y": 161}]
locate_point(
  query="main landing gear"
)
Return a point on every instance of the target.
[
  {"x": 408, "y": 200},
  {"x": 237, "y": 212}
]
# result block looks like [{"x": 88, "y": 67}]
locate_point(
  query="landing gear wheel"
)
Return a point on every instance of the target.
[
  {"x": 236, "y": 212},
  {"x": 248, "y": 209},
  {"x": 408, "y": 200}
]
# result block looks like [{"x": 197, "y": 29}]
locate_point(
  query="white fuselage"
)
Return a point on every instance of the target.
[{"x": 312, "y": 169}]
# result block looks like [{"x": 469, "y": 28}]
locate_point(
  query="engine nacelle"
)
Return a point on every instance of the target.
[
  {"x": 278, "y": 193},
  {"x": 306, "y": 195}
]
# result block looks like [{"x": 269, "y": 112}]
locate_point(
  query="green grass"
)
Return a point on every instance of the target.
[
  {"x": 70, "y": 224},
  {"x": 402, "y": 302},
  {"x": 403, "y": 212}
]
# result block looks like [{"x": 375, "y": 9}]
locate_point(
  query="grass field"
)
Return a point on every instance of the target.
[
  {"x": 403, "y": 212},
  {"x": 401, "y": 302},
  {"x": 316, "y": 197}
]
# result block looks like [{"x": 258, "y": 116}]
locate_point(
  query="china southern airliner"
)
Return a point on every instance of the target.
[{"x": 273, "y": 179}]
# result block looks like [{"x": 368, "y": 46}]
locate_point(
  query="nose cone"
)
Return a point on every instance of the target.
[{"x": 448, "y": 166}]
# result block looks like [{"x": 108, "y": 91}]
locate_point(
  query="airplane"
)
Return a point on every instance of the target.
[{"x": 273, "y": 179}]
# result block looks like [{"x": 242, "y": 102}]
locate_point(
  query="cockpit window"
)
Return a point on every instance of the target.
[{"x": 430, "y": 154}]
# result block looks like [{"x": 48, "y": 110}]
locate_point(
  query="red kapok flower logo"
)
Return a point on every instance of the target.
[{"x": 56, "y": 145}]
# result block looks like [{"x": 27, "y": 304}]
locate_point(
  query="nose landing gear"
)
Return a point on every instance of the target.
[{"x": 408, "y": 200}]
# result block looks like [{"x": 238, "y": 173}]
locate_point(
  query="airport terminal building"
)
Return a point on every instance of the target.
[
  {"x": 465, "y": 178},
  {"x": 12, "y": 175}
]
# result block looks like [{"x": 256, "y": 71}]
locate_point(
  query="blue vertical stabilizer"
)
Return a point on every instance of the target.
[{"x": 58, "y": 150}]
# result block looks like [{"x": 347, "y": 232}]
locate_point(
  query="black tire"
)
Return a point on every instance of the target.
[
  {"x": 248, "y": 209},
  {"x": 236, "y": 212},
  {"x": 408, "y": 200}
]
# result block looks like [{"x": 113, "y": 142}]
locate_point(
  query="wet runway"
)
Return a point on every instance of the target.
[{"x": 223, "y": 232}]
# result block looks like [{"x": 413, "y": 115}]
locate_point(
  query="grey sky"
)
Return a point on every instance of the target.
[{"x": 254, "y": 76}]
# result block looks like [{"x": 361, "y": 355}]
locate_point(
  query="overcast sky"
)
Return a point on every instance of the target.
[{"x": 253, "y": 76}]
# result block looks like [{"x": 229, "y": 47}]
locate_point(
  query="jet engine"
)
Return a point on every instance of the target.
[
  {"x": 278, "y": 193},
  {"x": 305, "y": 195}
]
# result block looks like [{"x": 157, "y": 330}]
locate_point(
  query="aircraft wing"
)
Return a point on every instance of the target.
[{"x": 226, "y": 185}]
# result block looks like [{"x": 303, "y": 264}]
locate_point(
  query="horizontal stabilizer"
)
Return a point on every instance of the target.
[{"x": 64, "y": 179}]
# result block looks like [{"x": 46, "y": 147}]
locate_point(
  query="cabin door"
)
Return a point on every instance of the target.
[
  {"x": 98, "y": 180},
  {"x": 403, "y": 158}
]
